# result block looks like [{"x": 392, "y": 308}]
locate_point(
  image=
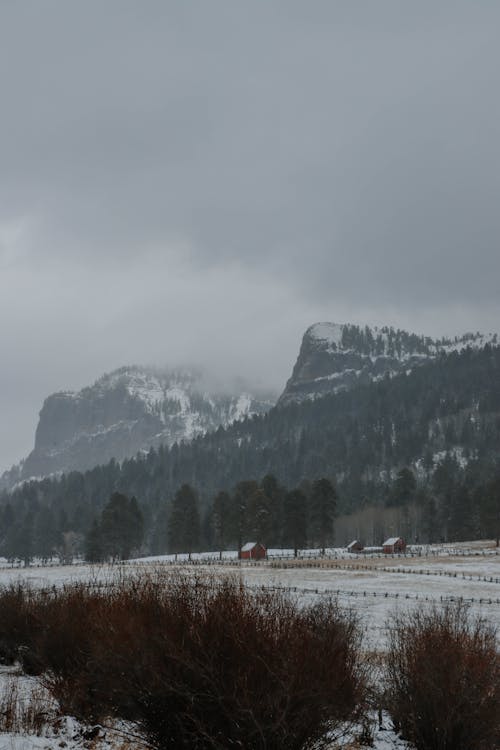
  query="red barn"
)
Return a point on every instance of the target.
[
  {"x": 394, "y": 546},
  {"x": 253, "y": 551},
  {"x": 355, "y": 546}
]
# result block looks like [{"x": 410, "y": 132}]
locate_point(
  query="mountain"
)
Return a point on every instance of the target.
[
  {"x": 336, "y": 357},
  {"x": 127, "y": 411},
  {"x": 438, "y": 423}
]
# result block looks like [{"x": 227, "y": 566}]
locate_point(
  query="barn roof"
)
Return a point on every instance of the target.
[
  {"x": 392, "y": 540},
  {"x": 248, "y": 546},
  {"x": 356, "y": 541}
]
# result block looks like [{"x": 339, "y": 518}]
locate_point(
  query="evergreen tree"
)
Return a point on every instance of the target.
[
  {"x": 403, "y": 490},
  {"x": 322, "y": 511},
  {"x": 295, "y": 520},
  {"x": 220, "y": 519},
  {"x": 430, "y": 528},
  {"x": 275, "y": 493},
  {"x": 444, "y": 483},
  {"x": 184, "y": 521},
  {"x": 260, "y": 517},
  {"x": 94, "y": 547},
  {"x": 490, "y": 509},
  {"x": 7, "y": 519},
  {"x": 45, "y": 534},
  {"x": 241, "y": 504},
  {"x": 461, "y": 521},
  {"x": 121, "y": 526},
  {"x": 19, "y": 541}
]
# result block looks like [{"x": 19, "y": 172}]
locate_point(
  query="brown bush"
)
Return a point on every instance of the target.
[
  {"x": 443, "y": 676},
  {"x": 18, "y": 622},
  {"x": 202, "y": 663}
]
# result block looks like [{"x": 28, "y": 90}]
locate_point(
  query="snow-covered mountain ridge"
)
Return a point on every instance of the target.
[
  {"x": 335, "y": 357},
  {"x": 127, "y": 411}
]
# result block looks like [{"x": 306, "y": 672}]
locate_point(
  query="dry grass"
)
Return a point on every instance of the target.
[{"x": 25, "y": 710}]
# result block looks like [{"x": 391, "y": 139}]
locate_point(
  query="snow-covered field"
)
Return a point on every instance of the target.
[{"x": 378, "y": 587}]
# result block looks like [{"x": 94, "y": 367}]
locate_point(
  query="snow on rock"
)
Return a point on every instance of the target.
[
  {"x": 338, "y": 356},
  {"x": 331, "y": 333},
  {"x": 242, "y": 407},
  {"x": 126, "y": 412}
]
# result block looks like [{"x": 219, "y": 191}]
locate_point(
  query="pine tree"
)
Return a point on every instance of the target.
[
  {"x": 240, "y": 506},
  {"x": 403, "y": 489},
  {"x": 490, "y": 509},
  {"x": 295, "y": 520},
  {"x": 19, "y": 543},
  {"x": 429, "y": 519},
  {"x": 260, "y": 517},
  {"x": 94, "y": 548},
  {"x": 275, "y": 493},
  {"x": 184, "y": 521},
  {"x": 121, "y": 526},
  {"x": 45, "y": 534},
  {"x": 220, "y": 519},
  {"x": 322, "y": 511},
  {"x": 7, "y": 519}
]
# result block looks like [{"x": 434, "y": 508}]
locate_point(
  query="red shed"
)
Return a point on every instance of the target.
[
  {"x": 394, "y": 546},
  {"x": 253, "y": 551},
  {"x": 355, "y": 546}
]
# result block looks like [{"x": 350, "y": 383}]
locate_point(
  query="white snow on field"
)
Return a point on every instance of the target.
[{"x": 380, "y": 588}]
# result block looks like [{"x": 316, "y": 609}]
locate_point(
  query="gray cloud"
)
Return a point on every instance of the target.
[{"x": 200, "y": 181}]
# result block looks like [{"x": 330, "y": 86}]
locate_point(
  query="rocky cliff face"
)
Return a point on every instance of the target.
[
  {"x": 125, "y": 412},
  {"x": 335, "y": 357}
]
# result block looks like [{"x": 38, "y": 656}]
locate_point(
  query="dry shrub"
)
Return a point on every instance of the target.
[
  {"x": 18, "y": 624},
  {"x": 9, "y": 713},
  {"x": 238, "y": 669},
  {"x": 25, "y": 710},
  {"x": 443, "y": 678},
  {"x": 203, "y": 663},
  {"x": 39, "y": 628}
]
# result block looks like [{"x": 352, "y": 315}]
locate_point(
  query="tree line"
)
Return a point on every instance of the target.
[
  {"x": 454, "y": 506},
  {"x": 264, "y": 512}
]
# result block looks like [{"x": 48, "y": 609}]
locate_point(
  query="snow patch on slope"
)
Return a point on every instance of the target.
[
  {"x": 128, "y": 411},
  {"x": 331, "y": 333},
  {"x": 335, "y": 357}
]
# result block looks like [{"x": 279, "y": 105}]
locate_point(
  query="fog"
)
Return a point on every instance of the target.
[{"x": 199, "y": 182}]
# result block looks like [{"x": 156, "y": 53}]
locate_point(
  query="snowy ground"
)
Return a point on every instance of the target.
[{"x": 377, "y": 587}]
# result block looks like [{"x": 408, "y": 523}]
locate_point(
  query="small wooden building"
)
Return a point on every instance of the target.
[
  {"x": 395, "y": 545},
  {"x": 355, "y": 546},
  {"x": 253, "y": 551}
]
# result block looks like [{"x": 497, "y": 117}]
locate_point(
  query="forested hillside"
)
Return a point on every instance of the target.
[{"x": 440, "y": 423}]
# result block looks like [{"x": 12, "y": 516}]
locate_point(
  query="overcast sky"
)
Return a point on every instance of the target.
[{"x": 197, "y": 181}]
